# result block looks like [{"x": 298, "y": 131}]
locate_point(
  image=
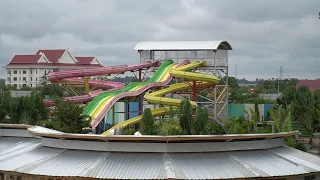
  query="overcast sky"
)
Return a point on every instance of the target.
[{"x": 264, "y": 34}]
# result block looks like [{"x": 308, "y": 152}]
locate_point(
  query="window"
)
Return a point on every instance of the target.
[
  {"x": 31, "y": 72},
  {"x": 14, "y": 85},
  {"x": 31, "y": 78},
  {"x": 24, "y": 85},
  {"x": 20, "y": 72},
  {"x": 45, "y": 71},
  {"x": 36, "y": 71},
  {"x": 36, "y": 78},
  {"x": 15, "y": 79},
  {"x": 19, "y": 78},
  {"x": 15, "y": 72},
  {"x": 31, "y": 85},
  {"x": 24, "y": 72},
  {"x": 8, "y": 79},
  {"x": 24, "y": 78},
  {"x": 9, "y": 72}
]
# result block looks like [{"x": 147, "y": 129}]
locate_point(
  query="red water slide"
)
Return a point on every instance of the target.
[{"x": 69, "y": 77}]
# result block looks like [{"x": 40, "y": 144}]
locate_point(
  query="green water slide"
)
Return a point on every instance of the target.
[{"x": 96, "y": 106}]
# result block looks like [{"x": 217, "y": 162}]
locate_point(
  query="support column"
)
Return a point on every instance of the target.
[
  {"x": 128, "y": 108},
  {"x": 86, "y": 85},
  {"x": 194, "y": 91},
  {"x": 113, "y": 115},
  {"x": 140, "y": 99}
]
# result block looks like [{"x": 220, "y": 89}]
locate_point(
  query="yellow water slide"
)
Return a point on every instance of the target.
[{"x": 202, "y": 80}]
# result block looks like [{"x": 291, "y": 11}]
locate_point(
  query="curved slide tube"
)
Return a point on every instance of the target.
[
  {"x": 92, "y": 83},
  {"x": 157, "y": 97},
  {"x": 101, "y": 105},
  {"x": 59, "y": 75},
  {"x": 68, "y": 77}
]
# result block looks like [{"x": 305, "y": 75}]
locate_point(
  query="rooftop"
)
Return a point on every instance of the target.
[
  {"x": 53, "y": 55},
  {"x": 22, "y": 59},
  {"x": 85, "y": 60},
  {"x": 183, "y": 45},
  {"x": 32, "y": 150},
  {"x": 311, "y": 84}
]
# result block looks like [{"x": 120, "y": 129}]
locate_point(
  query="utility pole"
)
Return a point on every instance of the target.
[{"x": 280, "y": 78}]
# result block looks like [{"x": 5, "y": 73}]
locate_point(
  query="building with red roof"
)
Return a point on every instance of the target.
[
  {"x": 29, "y": 70},
  {"x": 311, "y": 84}
]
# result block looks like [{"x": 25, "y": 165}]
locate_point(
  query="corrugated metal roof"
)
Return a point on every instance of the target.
[
  {"x": 183, "y": 45},
  {"x": 8, "y": 142},
  {"x": 266, "y": 163},
  {"x": 68, "y": 163},
  {"x": 30, "y": 157},
  {"x": 208, "y": 166},
  {"x": 130, "y": 166},
  {"x": 23, "y": 161}
]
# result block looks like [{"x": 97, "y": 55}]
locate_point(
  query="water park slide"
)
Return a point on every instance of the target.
[
  {"x": 68, "y": 77},
  {"x": 92, "y": 83},
  {"x": 101, "y": 104},
  {"x": 157, "y": 97}
]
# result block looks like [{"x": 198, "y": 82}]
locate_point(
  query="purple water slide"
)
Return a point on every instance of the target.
[
  {"x": 59, "y": 75},
  {"x": 93, "y": 83},
  {"x": 68, "y": 75},
  {"x": 109, "y": 105}
]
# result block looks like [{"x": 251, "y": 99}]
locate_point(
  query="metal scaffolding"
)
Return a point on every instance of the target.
[{"x": 215, "y": 53}]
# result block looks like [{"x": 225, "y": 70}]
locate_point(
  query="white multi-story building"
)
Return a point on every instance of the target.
[{"x": 29, "y": 70}]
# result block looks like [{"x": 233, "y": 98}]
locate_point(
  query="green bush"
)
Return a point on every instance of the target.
[
  {"x": 300, "y": 146},
  {"x": 129, "y": 131},
  {"x": 185, "y": 116},
  {"x": 146, "y": 124},
  {"x": 168, "y": 127},
  {"x": 214, "y": 129},
  {"x": 199, "y": 125}
]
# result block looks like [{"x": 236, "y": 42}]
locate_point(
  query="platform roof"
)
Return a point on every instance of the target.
[
  {"x": 28, "y": 156},
  {"x": 69, "y": 156},
  {"x": 182, "y": 45}
]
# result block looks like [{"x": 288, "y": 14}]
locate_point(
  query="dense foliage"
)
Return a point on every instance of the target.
[
  {"x": 303, "y": 105},
  {"x": 146, "y": 125},
  {"x": 67, "y": 117},
  {"x": 18, "y": 110},
  {"x": 185, "y": 116},
  {"x": 182, "y": 124}
]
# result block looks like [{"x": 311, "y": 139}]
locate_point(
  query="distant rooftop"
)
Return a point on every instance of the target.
[
  {"x": 311, "y": 84},
  {"x": 183, "y": 45}
]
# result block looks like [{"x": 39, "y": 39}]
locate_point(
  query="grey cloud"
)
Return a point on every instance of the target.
[{"x": 264, "y": 34}]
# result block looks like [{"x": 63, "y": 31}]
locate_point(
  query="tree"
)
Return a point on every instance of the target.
[
  {"x": 256, "y": 110},
  {"x": 51, "y": 90},
  {"x": 36, "y": 109},
  {"x": 232, "y": 82},
  {"x": 186, "y": 116},
  {"x": 4, "y": 106},
  {"x": 68, "y": 117},
  {"x": 146, "y": 125},
  {"x": 200, "y": 123}
]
